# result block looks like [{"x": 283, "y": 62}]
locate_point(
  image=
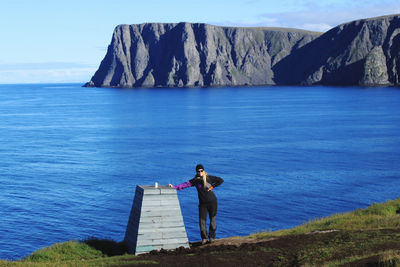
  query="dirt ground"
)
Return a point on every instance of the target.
[{"x": 282, "y": 251}]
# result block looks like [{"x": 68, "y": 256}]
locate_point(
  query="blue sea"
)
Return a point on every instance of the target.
[{"x": 71, "y": 156}]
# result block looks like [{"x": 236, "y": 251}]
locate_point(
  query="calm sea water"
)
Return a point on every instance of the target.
[{"x": 72, "y": 156}]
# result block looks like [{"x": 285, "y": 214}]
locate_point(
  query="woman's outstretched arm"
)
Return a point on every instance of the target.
[{"x": 181, "y": 186}]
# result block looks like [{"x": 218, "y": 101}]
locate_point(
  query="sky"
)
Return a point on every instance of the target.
[{"x": 60, "y": 41}]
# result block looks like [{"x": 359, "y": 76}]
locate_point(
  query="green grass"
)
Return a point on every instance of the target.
[
  {"x": 64, "y": 252},
  {"x": 347, "y": 245},
  {"x": 387, "y": 258},
  {"x": 359, "y": 234},
  {"x": 91, "y": 252},
  {"x": 377, "y": 216}
]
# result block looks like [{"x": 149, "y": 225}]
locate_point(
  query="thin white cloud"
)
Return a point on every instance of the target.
[
  {"x": 53, "y": 75},
  {"x": 322, "y": 18},
  {"x": 322, "y": 27},
  {"x": 42, "y": 65},
  {"x": 319, "y": 16},
  {"x": 55, "y": 72}
]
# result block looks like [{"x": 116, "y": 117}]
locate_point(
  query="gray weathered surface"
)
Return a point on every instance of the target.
[
  {"x": 155, "y": 221},
  {"x": 185, "y": 54}
]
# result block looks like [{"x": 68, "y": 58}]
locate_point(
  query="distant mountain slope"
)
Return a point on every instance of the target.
[
  {"x": 184, "y": 54},
  {"x": 362, "y": 52}
]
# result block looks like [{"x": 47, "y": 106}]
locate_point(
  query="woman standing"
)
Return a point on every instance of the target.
[{"x": 204, "y": 184}]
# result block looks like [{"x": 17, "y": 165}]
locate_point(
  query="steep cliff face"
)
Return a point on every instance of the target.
[
  {"x": 184, "y": 54},
  {"x": 363, "y": 52}
]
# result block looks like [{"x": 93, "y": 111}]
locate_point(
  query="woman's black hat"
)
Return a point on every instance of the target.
[{"x": 199, "y": 166}]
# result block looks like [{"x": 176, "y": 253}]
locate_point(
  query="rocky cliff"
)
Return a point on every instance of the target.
[
  {"x": 184, "y": 54},
  {"x": 363, "y": 52}
]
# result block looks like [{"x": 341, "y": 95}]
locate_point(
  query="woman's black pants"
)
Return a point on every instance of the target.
[{"x": 211, "y": 209}]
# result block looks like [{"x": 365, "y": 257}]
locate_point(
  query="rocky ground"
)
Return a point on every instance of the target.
[{"x": 353, "y": 248}]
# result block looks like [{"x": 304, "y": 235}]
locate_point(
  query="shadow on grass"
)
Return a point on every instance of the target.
[{"x": 107, "y": 247}]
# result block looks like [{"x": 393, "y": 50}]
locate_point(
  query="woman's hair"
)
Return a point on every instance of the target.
[{"x": 205, "y": 179}]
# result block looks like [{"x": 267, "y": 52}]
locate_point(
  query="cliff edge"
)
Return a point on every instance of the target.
[
  {"x": 362, "y": 52},
  {"x": 195, "y": 55}
]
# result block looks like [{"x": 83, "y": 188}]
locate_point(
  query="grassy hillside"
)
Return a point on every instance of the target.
[
  {"x": 365, "y": 236},
  {"x": 377, "y": 216}
]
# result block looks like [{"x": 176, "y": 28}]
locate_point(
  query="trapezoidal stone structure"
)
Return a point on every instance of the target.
[{"x": 155, "y": 221}]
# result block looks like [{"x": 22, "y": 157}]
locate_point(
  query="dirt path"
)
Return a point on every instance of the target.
[
  {"x": 292, "y": 250},
  {"x": 233, "y": 241}
]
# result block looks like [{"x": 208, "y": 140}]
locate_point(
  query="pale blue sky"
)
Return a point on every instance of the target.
[{"x": 65, "y": 41}]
